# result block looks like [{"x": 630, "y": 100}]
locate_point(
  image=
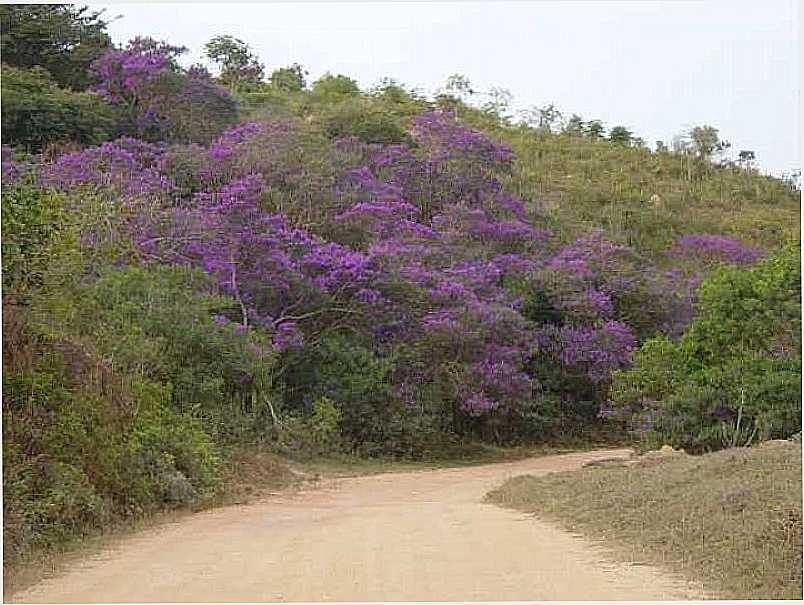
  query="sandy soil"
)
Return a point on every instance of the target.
[{"x": 416, "y": 536}]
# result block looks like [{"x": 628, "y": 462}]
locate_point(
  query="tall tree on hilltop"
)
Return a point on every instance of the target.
[
  {"x": 620, "y": 135},
  {"x": 289, "y": 78},
  {"x": 240, "y": 67}
]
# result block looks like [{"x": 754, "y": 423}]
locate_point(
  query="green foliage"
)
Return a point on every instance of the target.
[
  {"x": 240, "y": 67},
  {"x": 35, "y": 232},
  {"x": 358, "y": 383},
  {"x": 325, "y": 422},
  {"x": 330, "y": 88},
  {"x": 755, "y": 310},
  {"x": 369, "y": 121},
  {"x": 198, "y": 111},
  {"x": 705, "y": 139},
  {"x": 36, "y": 112},
  {"x": 159, "y": 323},
  {"x": 289, "y": 78},
  {"x": 83, "y": 445},
  {"x": 735, "y": 375},
  {"x": 315, "y": 434},
  {"x": 61, "y": 38},
  {"x": 620, "y": 135}
]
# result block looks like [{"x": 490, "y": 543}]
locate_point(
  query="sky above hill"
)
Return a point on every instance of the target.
[{"x": 656, "y": 67}]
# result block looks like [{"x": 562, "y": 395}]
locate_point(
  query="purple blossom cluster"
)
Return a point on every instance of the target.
[
  {"x": 126, "y": 166},
  {"x": 123, "y": 72},
  {"x": 138, "y": 80},
  {"x": 415, "y": 247},
  {"x": 11, "y": 169},
  {"x": 714, "y": 248},
  {"x": 596, "y": 351}
]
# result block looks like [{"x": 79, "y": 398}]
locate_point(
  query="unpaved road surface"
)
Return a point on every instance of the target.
[{"x": 414, "y": 536}]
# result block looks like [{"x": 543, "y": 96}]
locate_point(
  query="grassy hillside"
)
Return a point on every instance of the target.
[
  {"x": 641, "y": 197},
  {"x": 731, "y": 519}
]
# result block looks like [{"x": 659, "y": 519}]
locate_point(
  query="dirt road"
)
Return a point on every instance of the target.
[{"x": 421, "y": 536}]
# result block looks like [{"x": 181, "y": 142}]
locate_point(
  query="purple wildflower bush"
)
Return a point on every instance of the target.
[
  {"x": 158, "y": 99},
  {"x": 716, "y": 248},
  {"x": 12, "y": 169},
  {"x": 415, "y": 251}
]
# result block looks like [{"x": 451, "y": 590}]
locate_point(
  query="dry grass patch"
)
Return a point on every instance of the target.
[{"x": 730, "y": 519}]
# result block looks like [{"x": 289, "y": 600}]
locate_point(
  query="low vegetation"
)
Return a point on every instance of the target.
[{"x": 731, "y": 519}]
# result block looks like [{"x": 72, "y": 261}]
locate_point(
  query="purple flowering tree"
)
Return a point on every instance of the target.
[
  {"x": 159, "y": 100},
  {"x": 414, "y": 251}
]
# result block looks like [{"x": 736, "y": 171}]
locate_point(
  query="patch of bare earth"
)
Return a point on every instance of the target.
[{"x": 424, "y": 536}]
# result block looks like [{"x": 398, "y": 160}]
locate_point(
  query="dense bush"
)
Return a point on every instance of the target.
[
  {"x": 158, "y": 100},
  {"x": 365, "y": 120},
  {"x": 61, "y": 38},
  {"x": 506, "y": 332},
  {"x": 735, "y": 375},
  {"x": 330, "y": 88},
  {"x": 160, "y": 324},
  {"x": 357, "y": 383},
  {"x": 195, "y": 109},
  {"x": 33, "y": 232},
  {"x": 83, "y": 445},
  {"x": 37, "y": 113}
]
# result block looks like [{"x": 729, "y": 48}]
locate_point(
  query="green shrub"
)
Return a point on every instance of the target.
[
  {"x": 328, "y": 87},
  {"x": 194, "y": 111},
  {"x": 325, "y": 423},
  {"x": 367, "y": 121},
  {"x": 83, "y": 445},
  {"x": 735, "y": 376},
  {"x": 315, "y": 434},
  {"x": 36, "y": 112},
  {"x": 159, "y": 322},
  {"x": 35, "y": 233},
  {"x": 357, "y": 381}
]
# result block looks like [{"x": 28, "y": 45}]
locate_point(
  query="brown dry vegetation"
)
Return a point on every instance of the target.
[{"x": 731, "y": 519}]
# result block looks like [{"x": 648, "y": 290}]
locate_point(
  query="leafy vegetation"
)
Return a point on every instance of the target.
[
  {"x": 60, "y": 38},
  {"x": 37, "y": 113},
  {"x": 227, "y": 261},
  {"x": 735, "y": 375}
]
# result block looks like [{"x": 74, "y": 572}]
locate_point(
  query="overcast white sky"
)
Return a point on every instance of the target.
[{"x": 655, "y": 67}]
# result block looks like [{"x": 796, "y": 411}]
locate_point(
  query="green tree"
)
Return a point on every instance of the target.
[
  {"x": 746, "y": 158},
  {"x": 460, "y": 87},
  {"x": 36, "y": 112},
  {"x": 620, "y": 135},
  {"x": 704, "y": 140},
  {"x": 735, "y": 375},
  {"x": 329, "y": 86},
  {"x": 499, "y": 102},
  {"x": 549, "y": 116},
  {"x": 61, "y": 38},
  {"x": 574, "y": 125},
  {"x": 289, "y": 78},
  {"x": 240, "y": 67},
  {"x": 595, "y": 129}
]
